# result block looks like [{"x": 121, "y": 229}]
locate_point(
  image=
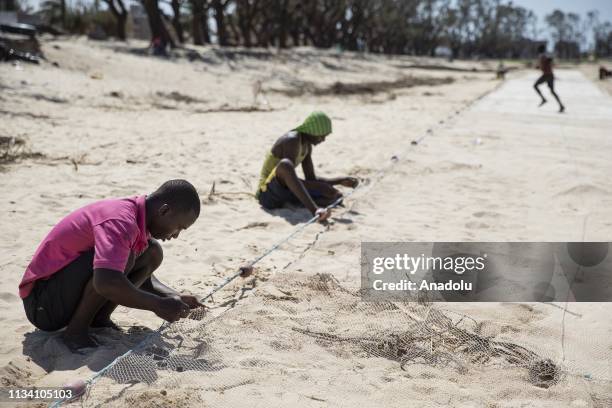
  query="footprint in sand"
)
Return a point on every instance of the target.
[
  {"x": 476, "y": 225},
  {"x": 273, "y": 293},
  {"x": 254, "y": 362},
  {"x": 522, "y": 313},
  {"x": 9, "y": 297},
  {"x": 490, "y": 214},
  {"x": 584, "y": 189},
  {"x": 254, "y": 225}
]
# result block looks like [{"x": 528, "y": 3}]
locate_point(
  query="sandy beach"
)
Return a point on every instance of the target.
[{"x": 100, "y": 120}]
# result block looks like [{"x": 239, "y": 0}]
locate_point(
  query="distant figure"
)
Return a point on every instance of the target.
[
  {"x": 279, "y": 184},
  {"x": 501, "y": 70},
  {"x": 604, "y": 73},
  {"x": 158, "y": 45},
  {"x": 545, "y": 64}
]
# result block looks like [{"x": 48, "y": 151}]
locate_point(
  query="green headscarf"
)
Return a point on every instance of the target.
[{"x": 316, "y": 124}]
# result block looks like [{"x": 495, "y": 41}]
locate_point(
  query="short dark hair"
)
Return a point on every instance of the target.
[
  {"x": 541, "y": 48},
  {"x": 179, "y": 194}
]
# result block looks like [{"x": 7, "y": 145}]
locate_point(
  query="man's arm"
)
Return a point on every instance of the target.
[
  {"x": 345, "y": 181},
  {"x": 309, "y": 174},
  {"x": 153, "y": 285},
  {"x": 308, "y": 167},
  {"x": 116, "y": 287}
]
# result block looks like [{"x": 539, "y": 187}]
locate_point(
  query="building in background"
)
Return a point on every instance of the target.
[{"x": 567, "y": 49}]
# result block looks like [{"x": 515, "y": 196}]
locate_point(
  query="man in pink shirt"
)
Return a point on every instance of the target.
[{"x": 104, "y": 254}]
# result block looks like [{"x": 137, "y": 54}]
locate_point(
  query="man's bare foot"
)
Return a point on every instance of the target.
[
  {"x": 561, "y": 109},
  {"x": 105, "y": 323},
  {"x": 542, "y": 103},
  {"x": 76, "y": 342}
]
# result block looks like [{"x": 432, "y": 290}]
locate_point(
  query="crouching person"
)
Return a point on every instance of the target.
[{"x": 104, "y": 255}]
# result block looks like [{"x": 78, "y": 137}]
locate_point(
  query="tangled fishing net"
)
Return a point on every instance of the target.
[{"x": 306, "y": 340}]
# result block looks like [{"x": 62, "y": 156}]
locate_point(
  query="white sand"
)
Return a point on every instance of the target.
[{"x": 503, "y": 170}]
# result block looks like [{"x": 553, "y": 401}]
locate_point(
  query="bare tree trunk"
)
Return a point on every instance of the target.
[
  {"x": 246, "y": 12},
  {"x": 205, "y": 29},
  {"x": 120, "y": 15},
  {"x": 283, "y": 22},
  {"x": 204, "y": 21},
  {"x": 219, "y": 8},
  {"x": 63, "y": 13},
  {"x": 197, "y": 11},
  {"x": 234, "y": 30},
  {"x": 158, "y": 30},
  {"x": 176, "y": 20}
]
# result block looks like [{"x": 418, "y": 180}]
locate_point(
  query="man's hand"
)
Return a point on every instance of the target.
[
  {"x": 323, "y": 214},
  {"x": 171, "y": 308},
  {"x": 246, "y": 271},
  {"x": 350, "y": 182},
  {"x": 190, "y": 300}
]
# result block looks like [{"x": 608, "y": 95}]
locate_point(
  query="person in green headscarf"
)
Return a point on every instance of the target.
[{"x": 279, "y": 184}]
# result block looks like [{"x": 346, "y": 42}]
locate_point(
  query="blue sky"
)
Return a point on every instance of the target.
[{"x": 544, "y": 7}]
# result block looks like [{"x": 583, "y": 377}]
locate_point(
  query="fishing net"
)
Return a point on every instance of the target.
[{"x": 307, "y": 340}]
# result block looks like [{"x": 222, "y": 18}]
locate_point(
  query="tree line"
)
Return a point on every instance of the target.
[{"x": 461, "y": 28}]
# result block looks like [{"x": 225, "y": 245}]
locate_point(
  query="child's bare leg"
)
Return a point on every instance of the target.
[
  {"x": 535, "y": 86},
  {"x": 76, "y": 334},
  {"x": 144, "y": 266},
  {"x": 552, "y": 91},
  {"x": 537, "y": 83}
]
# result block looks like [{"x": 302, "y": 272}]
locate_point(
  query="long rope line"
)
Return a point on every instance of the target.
[{"x": 584, "y": 231}]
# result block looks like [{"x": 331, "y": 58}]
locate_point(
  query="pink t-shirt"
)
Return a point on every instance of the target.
[{"x": 112, "y": 228}]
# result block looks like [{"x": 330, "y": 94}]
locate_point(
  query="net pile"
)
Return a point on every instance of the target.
[{"x": 308, "y": 341}]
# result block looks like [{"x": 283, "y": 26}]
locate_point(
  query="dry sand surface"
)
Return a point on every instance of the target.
[{"x": 109, "y": 122}]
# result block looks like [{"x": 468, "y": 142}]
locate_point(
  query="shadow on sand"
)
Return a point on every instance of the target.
[{"x": 47, "y": 349}]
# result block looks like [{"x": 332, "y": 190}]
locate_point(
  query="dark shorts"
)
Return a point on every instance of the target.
[
  {"x": 53, "y": 301},
  {"x": 548, "y": 78},
  {"x": 277, "y": 195}
]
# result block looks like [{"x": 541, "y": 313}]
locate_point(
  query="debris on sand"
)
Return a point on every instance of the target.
[
  {"x": 18, "y": 43},
  {"x": 544, "y": 373},
  {"x": 299, "y": 88},
  {"x": 13, "y": 149},
  {"x": 179, "y": 97}
]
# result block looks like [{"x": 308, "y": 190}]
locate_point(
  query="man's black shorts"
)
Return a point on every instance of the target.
[
  {"x": 52, "y": 302},
  {"x": 277, "y": 195},
  {"x": 548, "y": 78}
]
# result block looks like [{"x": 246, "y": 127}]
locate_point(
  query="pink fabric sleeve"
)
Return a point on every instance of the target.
[{"x": 112, "y": 244}]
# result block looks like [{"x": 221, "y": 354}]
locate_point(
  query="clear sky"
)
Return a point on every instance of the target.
[
  {"x": 544, "y": 7},
  {"x": 581, "y": 7}
]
